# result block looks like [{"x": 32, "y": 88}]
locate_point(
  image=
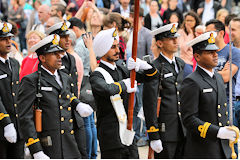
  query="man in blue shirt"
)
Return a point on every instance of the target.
[{"x": 223, "y": 56}]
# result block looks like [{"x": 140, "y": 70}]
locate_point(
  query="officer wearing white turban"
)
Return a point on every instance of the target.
[{"x": 109, "y": 80}]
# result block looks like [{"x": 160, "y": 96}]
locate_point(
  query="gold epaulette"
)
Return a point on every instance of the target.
[{"x": 203, "y": 129}]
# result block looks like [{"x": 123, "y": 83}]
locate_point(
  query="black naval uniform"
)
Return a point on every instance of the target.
[
  {"x": 204, "y": 111},
  {"x": 9, "y": 81},
  {"x": 168, "y": 127},
  {"x": 107, "y": 122},
  {"x": 69, "y": 63},
  {"x": 57, "y": 115}
]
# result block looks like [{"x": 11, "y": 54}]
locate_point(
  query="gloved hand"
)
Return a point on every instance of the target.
[
  {"x": 225, "y": 133},
  {"x": 10, "y": 133},
  {"x": 156, "y": 145},
  {"x": 139, "y": 64},
  {"x": 84, "y": 109},
  {"x": 127, "y": 82},
  {"x": 40, "y": 155}
]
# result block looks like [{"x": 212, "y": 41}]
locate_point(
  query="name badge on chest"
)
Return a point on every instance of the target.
[
  {"x": 168, "y": 75},
  {"x": 208, "y": 90},
  {"x": 3, "y": 76},
  {"x": 46, "y": 89}
]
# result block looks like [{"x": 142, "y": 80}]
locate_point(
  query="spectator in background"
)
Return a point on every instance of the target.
[
  {"x": 227, "y": 21},
  {"x": 223, "y": 56},
  {"x": 146, "y": 7},
  {"x": 163, "y": 7},
  {"x": 43, "y": 16},
  {"x": 172, "y": 7},
  {"x": 153, "y": 19},
  {"x": 208, "y": 9},
  {"x": 124, "y": 8},
  {"x": 191, "y": 20},
  {"x": 30, "y": 63},
  {"x": 222, "y": 14},
  {"x": 3, "y": 10},
  {"x": 15, "y": 52},
  {"x": 95, "y": 23},
  {"x": 200, "y": 29},
  {"x": 16, "y": 14},
  {"x": 173, "y": 18},
  {"x": 51, "y": 21},
  {"x": 34, "y": 16},
  {"x": 79, "y": 64},
  {"x": 58, "y": 10}
]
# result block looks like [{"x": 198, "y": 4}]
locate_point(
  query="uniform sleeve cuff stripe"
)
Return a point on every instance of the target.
[{"x": 152, "y": 73}]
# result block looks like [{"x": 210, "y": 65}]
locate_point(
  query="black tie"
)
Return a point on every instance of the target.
[
  {"x": 173, "y": 65},
  {"x": 7, "y": 65}
]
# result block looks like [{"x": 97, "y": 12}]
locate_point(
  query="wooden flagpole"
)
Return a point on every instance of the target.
[{"x": 134, "y": 56}]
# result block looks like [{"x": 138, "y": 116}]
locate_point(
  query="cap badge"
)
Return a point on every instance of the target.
[
  {"x": 115, "y": 33},
  {"x": 5, "y": 28},
  {"x": 55, "y": 40},
  {"x": 64, "y": 26},
  {"x": 211, "y": 39},
  {"x": 173, "y": 29}
]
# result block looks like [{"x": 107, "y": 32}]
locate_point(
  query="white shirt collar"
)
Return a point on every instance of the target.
[
  {"x": 55, "y": 73},
  {"x": 57, "y": 77},
  {"x": 112, "y": 67},
  {"x": 207, "y": 71},
  {"x": 3, "y": 60},
  {"x": 168, "y": 59},
  {"x": 125, "y": 13}
]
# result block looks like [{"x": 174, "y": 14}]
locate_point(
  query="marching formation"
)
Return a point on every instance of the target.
[{"x": 70, "y": 95}]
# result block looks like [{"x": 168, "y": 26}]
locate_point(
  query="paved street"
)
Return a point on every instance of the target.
[{"x": 143, "y": 152}]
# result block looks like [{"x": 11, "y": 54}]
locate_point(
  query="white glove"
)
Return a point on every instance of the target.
[
  {"x": 127, "y": 82},
  {"x": 224, "y": 133},
  {"x": 143, "y": 64},
  {"x": 131, "y": 64},
  {"x": 84, "y": 109},
  {"x": 156, "y": 145},
  {"x": 10, "y": 133},
  {"x": 27, "y": 153},
  {"x": 40, "y": 155},
  {"x": 139, "y": 64}
]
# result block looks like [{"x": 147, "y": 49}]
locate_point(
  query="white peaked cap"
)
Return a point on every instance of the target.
[
  {"x": 164, "y": 28},
  {"x": 52, "y": 39},
  {"x": 61, "y": 26},
  {"x": 104, "y": 40},
  {"x": 202, "y": 37}
]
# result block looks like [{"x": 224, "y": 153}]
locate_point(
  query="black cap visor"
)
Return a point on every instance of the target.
[
  {"x": 6, "y": 35},
  {"x": 167, "y": 34},
  {"x": 48, "y": 49},
  {"x": 205, "y": 46},
  {"x": 61, "y": 32}
]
